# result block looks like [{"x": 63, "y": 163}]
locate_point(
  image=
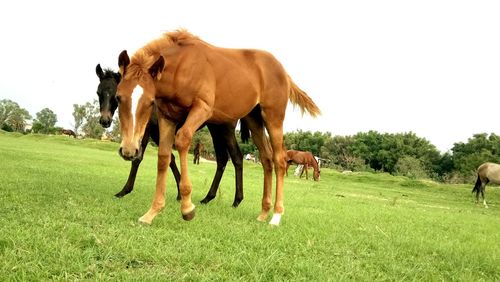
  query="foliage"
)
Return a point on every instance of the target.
[
  {"x": 115, "y": 132},
  {"x": 410, "y": 167},
  {"x": 306, "y": 141},
  {"x": 79, "y": 114},
  {"x": 12, "y": 116},
  {"x": 87, "y": 115},
  {"x": 45, "y": 122}
]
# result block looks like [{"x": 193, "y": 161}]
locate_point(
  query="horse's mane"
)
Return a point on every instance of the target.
[
  {"x": 155, "y": 47},
  {"x": 108, "y": 73},
  {"x": 148, "y": 54}
]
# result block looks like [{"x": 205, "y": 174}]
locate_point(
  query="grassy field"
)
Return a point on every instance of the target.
[{"x": 60, "y": 221}]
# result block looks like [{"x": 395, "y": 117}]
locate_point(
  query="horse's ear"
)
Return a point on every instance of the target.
[
  {"x": 123, "y": 61},
  {"x": 117, "y": 76},
  {"x": 99, "y": 72},
  {"x": 157, "y": 68}
]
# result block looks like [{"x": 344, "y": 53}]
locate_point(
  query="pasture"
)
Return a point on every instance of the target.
[{"x": 60, "y": 221}]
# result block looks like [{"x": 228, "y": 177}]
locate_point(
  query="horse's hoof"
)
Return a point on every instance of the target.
[
  {"x": 189, "y": 216},
  {"x": 143, "y": 221},
  {"x": 275, "y": 221},
  {"x": 261, "y": 218},
  {"x": 236, "y": 203}
]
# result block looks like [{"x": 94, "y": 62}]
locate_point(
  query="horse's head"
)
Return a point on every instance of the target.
[
  {"x": 317, "y": 175},
  {"x": 106, "y": 91},
  {"x": 134, "y": 72}
]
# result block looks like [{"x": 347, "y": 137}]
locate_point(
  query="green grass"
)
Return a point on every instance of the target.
[{"x": 60, "y": 221}]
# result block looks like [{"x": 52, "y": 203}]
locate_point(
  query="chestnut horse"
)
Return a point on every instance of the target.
[
  {"x": 486, "y": 173},
  {"x": 303, "y": 158},
  {"x": 223, "y": 138},
  {"x": 198, "y": 149},
  {"x": 193, "y": 82}
]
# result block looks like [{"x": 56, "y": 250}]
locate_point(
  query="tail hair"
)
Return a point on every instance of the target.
[
  {"x": 300, "y": 98},
  {"x": 477, "y": 187}
]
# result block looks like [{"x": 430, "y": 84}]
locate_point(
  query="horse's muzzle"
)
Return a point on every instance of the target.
[
  {"x": 105, "y": 121},
  {"x": 130, "y": 155}
]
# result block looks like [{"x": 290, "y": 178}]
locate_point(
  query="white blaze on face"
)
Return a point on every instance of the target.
[{"x": 136, "y": 95}]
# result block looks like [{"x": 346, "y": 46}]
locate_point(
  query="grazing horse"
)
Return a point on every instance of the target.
[
  {"x": 193, "y": 82},
  {"x": 486, "y": 173},
  {"x": 197, "y": 152},
  {"x": 68, "y": 132},
  {"x": 223, "y": 137},
  {"x": 303, "y": 158}
]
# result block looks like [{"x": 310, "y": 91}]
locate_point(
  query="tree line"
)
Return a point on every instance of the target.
[{"x": 395, "y": 153}]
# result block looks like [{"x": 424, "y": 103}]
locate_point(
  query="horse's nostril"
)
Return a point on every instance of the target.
[
  {"x": 120, "y": 152},
  {"x": 136, "y": 152}
]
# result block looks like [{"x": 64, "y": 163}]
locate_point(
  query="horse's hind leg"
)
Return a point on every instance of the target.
[
  {"x": 483, "y": 188},
  {"x": 260, "y": 140},
  {"x": 274, "y": 126}
]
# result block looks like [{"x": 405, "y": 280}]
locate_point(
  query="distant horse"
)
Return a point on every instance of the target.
[
  {"x": 193, "y": 82},
  {"x": 486, "y": 173},
  {"x": 68, "y": 132},
  {"x": 303, "y": 158},
  {"x": 198, "y": 149},
  {"x": 223, "y": 137}
]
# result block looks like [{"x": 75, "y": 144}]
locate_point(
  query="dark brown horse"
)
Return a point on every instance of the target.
[
  {"x": 303, "y": 158},
  {"x": 68, "y": 132},
  {"x": 198, "y": 149},
  {"x": 193, "y": 82},
  {"x": 223, "y": 137},
  {"x": 486, "y": 173}
]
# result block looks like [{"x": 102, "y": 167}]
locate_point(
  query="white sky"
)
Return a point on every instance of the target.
[{"x": 431, "y": 67}]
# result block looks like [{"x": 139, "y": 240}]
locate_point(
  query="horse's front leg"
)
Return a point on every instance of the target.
[
  {"x": 198, "y": 114},
  {"x": 167, "y": 133},
  {"x": 221, "y": 157},
  {"x": 129, "y": 186}
]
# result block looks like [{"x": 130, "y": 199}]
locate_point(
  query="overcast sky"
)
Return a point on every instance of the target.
[{"x": 430, "y": 67}]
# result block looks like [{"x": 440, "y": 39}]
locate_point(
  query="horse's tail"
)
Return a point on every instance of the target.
[
  {"x": 301, "y": 99},
  {"x": 477, "y": 187}
]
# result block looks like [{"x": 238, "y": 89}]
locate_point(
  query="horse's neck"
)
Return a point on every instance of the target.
[{"x": 314, "y": 163}]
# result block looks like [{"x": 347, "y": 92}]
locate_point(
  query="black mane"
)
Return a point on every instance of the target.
[{"x": 109, "y": 73}]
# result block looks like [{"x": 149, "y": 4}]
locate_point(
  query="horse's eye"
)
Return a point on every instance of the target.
[{"x": 117, "y": 97}]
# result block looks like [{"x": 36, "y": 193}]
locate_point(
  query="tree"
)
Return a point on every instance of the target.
[
  {"x": 12, "y": 116},
  {"x": 79, "y": 116},
  {"x": 92, "y": 128},
  {"x": 45, "y": 121},
  {"x": 115, "y": 132},
  {"x": 87, "y": 119}
]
